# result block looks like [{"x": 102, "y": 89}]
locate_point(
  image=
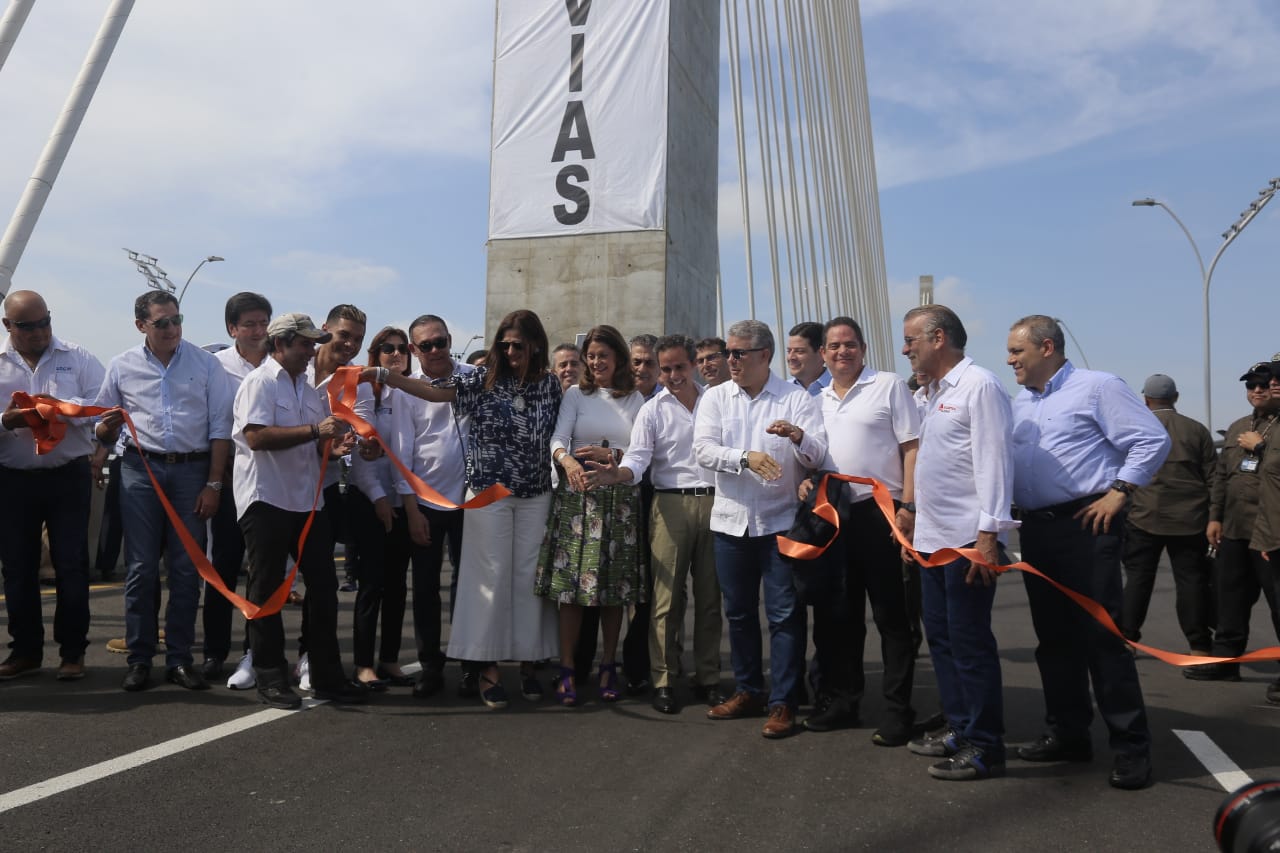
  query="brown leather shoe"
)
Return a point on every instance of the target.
[
  {"x": 782, "y": 722},
  {"x": 740, "y": 704},
  {"x": 71, "y": 670},
  {"x": 15, "y": 666}
]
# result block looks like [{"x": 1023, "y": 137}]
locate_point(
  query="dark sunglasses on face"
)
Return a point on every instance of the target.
[
  {"x": 166, "y": 322},
  {"x": 517, "y": 346},
  {"x": 431, "y": 343},
  {"x": 388, "y": 349},
  {"x": 31, "y": 325},
  {"x": 1254, "y": 386},
  {"x": 737, "y": 354}
]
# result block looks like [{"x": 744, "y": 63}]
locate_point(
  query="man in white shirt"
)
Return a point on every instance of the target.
[
  {"x": 247, "y": 316},
  {"x": 804, "y": 358},
  {"x": 681, "y": 544},
  {"x": 712, "y": 361},
  {"x": 872, "y": 427},
  {"x": 760, "y": 435},
  {"x": 431, "y": 440},
  {"x": 50, "y": 489},
  {"x": 180, "y": 400},
  {"x": 964, "y": 487},
  {"x": 280, "y": 429}
]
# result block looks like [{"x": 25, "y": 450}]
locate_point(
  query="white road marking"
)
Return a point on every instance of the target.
[
  {"x": 1224, "y": 770},
  {"x": 77, "y": 778}
]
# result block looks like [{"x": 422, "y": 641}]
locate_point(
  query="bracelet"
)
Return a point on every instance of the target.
[
  {"x": 382, "y": 375},
  {"x": 315, "y": 433}
]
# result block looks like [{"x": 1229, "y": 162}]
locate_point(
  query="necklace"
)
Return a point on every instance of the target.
[{"x": 517, "y": 396}]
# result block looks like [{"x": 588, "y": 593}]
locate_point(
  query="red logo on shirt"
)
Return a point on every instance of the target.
[{"x": 944, "y": 407}]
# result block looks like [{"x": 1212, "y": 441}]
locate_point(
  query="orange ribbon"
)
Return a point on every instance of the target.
[
  {"x": 44, "y": 415},
  {"x": 884, "y": 501},
  {"x": 342, "y": 397}
]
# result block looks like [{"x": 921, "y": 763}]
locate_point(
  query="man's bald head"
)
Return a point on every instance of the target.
[
  {"x": 26, "y": 319},
  {"x": 24, "y": 301}
]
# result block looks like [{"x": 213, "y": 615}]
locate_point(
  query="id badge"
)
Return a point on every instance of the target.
[{"x": 1249, "y": 464}]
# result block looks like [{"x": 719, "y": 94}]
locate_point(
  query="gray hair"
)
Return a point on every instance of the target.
[
  {"x": 941, "y": 317},
  {"x": 646, "y": 341},
  {"x": 1041, "y": 327},
  {"x": 756, "y": 332}
]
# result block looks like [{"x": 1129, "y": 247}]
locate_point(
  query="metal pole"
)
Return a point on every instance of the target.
[
  {"x": 193, "y": 275},
  {"x": 14, "y": 17},
  {"x": 55, "y": 151}
]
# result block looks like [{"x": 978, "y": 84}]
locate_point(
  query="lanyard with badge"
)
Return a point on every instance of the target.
[{"x": 1249, "y": 464}]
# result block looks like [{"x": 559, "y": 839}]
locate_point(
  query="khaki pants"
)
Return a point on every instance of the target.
[{"x": 681, "y": 547}]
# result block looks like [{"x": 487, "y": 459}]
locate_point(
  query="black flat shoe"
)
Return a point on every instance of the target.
[
  {"x": 350, "y": 693},
  {"x": 429, "y": 683},
  {"x": 280, "y": 696},
  {"x": 138, "y": 677},
  {"x": 400, "y": 680},
  {"x": 1051, "y": 747},
  {"x": 664, "y": 701},
  {"x": 186, "y": 676},
  {"x": 1131, "y": 771}
]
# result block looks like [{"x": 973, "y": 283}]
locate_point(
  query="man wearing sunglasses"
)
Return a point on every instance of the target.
[
  {"x": 51, "y": 489},
  {"x": 1239, "y": 571},
  {"x": 431, "y": 439},
  {"x": 180, "y": 400},
  {"x": 760, "y": 435}
]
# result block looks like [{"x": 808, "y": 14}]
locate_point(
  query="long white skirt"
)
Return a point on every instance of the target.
[{"x": 497, "y": 616}]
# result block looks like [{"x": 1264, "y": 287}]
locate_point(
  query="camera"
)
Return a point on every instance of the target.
[{"x": 1248, "y": 821}]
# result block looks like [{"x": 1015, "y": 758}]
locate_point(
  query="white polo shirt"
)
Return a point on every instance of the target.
[
  {"x": 430, "y": 438},
  {"x": 964, "y": 470},
  {"x": 66, "y": 371},
  {"x": 729, "y": 421},
  {"x": 866, "y": 428},
  {"x": 285, "y": 479},
  {"x": 662, "y": 442},
  {"x": 236, "y": 365}
]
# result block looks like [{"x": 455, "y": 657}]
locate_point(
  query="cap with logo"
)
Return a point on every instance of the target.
[{"x": 1264, "y": 370}]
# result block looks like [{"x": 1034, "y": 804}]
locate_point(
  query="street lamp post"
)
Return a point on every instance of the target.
[
  {"x": 1206, "y": 274},
  {"x": 158, "y": 278}
]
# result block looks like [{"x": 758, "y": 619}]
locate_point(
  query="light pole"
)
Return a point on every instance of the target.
[
  {"x": 1067, "y": 329},
  {"x": 158, "y": 278},
  {"x": 1206, "y": 275}
]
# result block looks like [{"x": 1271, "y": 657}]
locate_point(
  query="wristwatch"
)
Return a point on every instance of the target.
[
  {"x": 909, "y": 506},
  {"x": 745, "y": 462},
  {"x": 216, "y": 485},
  {"x": 1122, "y": 487}
]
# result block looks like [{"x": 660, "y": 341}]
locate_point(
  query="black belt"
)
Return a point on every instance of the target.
[
  {"x": 696, "y": 491},
  {"x": 168, "y": 458},
  {"x": 1057, "y": 511}
]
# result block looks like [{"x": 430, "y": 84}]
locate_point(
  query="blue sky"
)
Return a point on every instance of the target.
[{"x": 331, "y": 153}]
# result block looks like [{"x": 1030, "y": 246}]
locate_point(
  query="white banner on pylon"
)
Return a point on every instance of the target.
[{"x": 579, "y": 117}]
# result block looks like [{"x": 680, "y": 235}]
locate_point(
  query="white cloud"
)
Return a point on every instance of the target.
[{"x": 336, "y": 274}]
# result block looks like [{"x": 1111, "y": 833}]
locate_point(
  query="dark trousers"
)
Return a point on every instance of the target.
[
  {"x": 1239, "y": 574},
  {"x": 227, "y": 555},
  {"x": 111, "y": 531},
  {"x": 384, "y": 562},
  {"x": 635, "y": 646},
  {"x": 271, "y": 537},
  {"x": 872, "y": 570},
  {"x": 29, "y": 500},
  {"x": 966, "y": 662},
  {"x": 446, "y": 531},
  {"x": 1073, "y": 649},
  {"x": 1192, "y": 574}
]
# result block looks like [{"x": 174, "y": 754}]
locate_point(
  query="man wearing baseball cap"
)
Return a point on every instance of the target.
[
  {"x": 280, "y": 429},
  {"x": 1171, "y": 514}
]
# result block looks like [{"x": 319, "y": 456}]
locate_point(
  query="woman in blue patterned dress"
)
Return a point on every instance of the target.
[
  {"x": 590, "y": 556},
  {"x": 512, "y": 402}
]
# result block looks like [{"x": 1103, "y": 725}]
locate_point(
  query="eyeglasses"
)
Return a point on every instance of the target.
[
  {"x": 166, "y": 322},
  {"x": 30, "y": 325},
  {"x": 431, "y": 343},
  {"x": 736, "y": 354},
  {"x": 517, "y": 346},
  {"x": 388, "y": 349},
  {"x": 711, "y": 356},
  {"x": 1254, "y": 385}
]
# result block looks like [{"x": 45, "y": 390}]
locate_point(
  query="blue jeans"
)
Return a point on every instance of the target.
[
  {"x": 148, "y": 537},
  {"x": 742, "y": 564},
  {"x": 966, "y": 663}
]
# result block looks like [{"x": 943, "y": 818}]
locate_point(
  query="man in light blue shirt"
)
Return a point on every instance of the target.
[
  {"x": 180, "y": 399},
  {"x": 1082, "y": 442}
]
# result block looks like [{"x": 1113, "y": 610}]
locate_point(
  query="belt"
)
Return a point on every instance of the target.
[
  {"x": 696, "y": 491},
  {"x": 1055, "y": 512},
  {"x": 169, "y": 458}
]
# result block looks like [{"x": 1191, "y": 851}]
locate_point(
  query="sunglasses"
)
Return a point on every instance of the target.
[
  {"x": 31, "y": 325},
  {"x": 737, "y": 354},
  {"x": 429, "y": 344},
  {"x": 166, "y": 322},
  {"x": 1258, "y": 384},
  {"x": 388, "y": 349},
  {"x": 517, "y": 346}
]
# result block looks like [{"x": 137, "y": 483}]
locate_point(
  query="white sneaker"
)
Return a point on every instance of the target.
[
  {"x": 243, "y": 678},
  {"x": 303, "y": 671}
]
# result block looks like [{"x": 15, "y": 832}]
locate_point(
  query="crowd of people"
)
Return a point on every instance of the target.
[{"x": 584, "y": 491}]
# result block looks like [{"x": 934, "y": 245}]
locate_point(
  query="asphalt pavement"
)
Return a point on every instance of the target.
[{"x": 84, "y": 765}]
